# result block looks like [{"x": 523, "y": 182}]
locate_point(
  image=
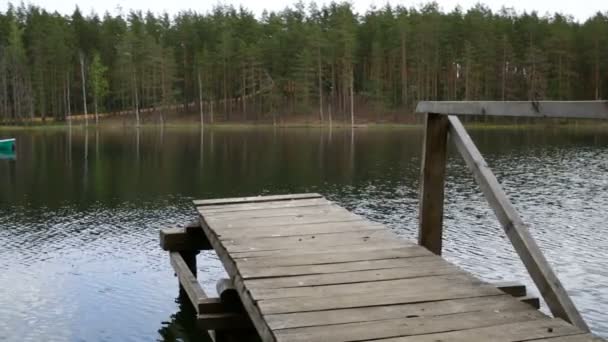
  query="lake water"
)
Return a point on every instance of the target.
[{"x": 80, "y": 213}]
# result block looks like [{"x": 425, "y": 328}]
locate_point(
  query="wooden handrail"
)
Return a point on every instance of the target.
[
  {"x": 438, "y": 128},
  {"x": 538, "y": 109},
  {"x": 540, "y": 271}
]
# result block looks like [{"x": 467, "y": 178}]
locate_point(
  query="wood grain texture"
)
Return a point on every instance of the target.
[
  {"x": 510, "y": 332},
  {"x": 255, "y": 199},
  {"x": 432, "y": 178},
  {"x": 314, "y": 272},
  {"x": 403, "y": 327}
]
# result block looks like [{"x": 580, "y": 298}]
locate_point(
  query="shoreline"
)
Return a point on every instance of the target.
[{"x": 293, "y": 125}]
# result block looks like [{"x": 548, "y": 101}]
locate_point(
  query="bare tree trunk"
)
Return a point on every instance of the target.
[
  {"x": 352, "y": 100},
  {"x": 68, "y": 100},
  {"x": 404, "y": 75},
  {"x": 211, "y": 111},
  {"x": 597, "y": 70},
  {"x": 320, "y": 80},
  {"x": 200, "y": 98},
  {"x": 96, "y": 113},
  {"x": 136, "y": 100},
  {"x": 84, "y": 89}
]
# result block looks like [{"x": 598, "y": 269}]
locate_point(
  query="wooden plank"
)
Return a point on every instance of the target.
[
  {"x": 574, "y": 338},
  {"x": 354, "y": 277},
  {"x": 318, "y": 210},
  {"x": 281, "y": 251},
  {"x": 290, "y": 230},
  {"x": 412, "y": 284},
  {"x": 432, "y": 175},
  {"x": 221, "y": 225},
  {"x": 316, "y": 258},
  {"x": 376, "y": 313},
  {"x": 187, "y": 280},
  {"x": 307, "y": 241},
  {"x": 183, "y": 239},
  {"x": 510, "y": 332},
  {"x": 225, "y": 208},
  {"x": 255, "y": 272},
  {"x": 403, "y": 327},
  {"x": 211, "y": 305},
  {"x": 541, "y": 273},
  {"x": 249, "y": 304},
  {"x": 537, "y": 109},
  {"x": 255, "y": 199},
  {"x": 387, "y": 297},
  {"x": 223, "y": 321}
]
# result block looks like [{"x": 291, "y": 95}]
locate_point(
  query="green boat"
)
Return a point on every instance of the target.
[{"x": 7, "y": 145}]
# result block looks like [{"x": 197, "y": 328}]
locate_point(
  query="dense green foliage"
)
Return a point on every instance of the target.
[{"x": 306, "y": 60}]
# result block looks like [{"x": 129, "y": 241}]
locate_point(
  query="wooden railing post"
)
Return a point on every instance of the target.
[{"x": 432, "y": 178}]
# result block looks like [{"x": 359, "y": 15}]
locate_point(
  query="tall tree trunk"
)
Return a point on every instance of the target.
[
  {"x": 136, "y": 100},
  {"x": 69, "y": 100},
  {"x": 352, "y": 100},
  {"x": 200, "y": 98},
  {"x": 244, "y": 92},
  {"x": 96, "y": 113},
  {"x": 211, "y": 111},
  {"x": 84, "y": 90},
  {"x": 404, "y": 75},
  {"x": 320, "y": 85},
  {"x": 597, "y": 69}
]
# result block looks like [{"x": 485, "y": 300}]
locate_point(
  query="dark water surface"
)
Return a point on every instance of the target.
[{"x": 80, "y": 213}]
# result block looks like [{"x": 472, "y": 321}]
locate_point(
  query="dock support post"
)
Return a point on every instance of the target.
[{"x": 432, "y": 178}]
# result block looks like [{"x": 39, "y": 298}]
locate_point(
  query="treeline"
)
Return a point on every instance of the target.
[{"x": 327, "y": 63}]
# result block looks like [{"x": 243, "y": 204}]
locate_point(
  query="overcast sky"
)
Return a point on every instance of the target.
[{"x": 580, "y": 9}]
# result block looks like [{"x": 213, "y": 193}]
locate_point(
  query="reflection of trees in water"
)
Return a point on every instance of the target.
[{"x": 182, "y": 325}]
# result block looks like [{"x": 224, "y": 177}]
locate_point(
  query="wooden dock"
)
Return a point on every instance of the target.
[
  {"x": 302, "y": 268},
  {"x": 308, "y": 270}
]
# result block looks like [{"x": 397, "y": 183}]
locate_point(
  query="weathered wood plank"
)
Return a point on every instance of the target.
[
  {"x": 574, "y": 338},
  {"x": 255, "y": 199},
  {"x": 441, "y": 268},
  {"x": 255, "y": 272},
  {"x": 187, "y": 280},
  {"x": 510, "y": 332},
  {"x": 225, "y": 208},
  {"x": 221, "y": 225},
  {"x": 432, "y": 174},
  {"x": 319, "y": 210},
  {"x": 541, "y": 273},
  {"x": 376, "y": 313},
  {"x": 306, "y": 241},
  {"x": 183, "y": 239},
  {"x": 538, "y": 109},
  {"x": 420, "y": 284},
  {"x": 316, "y": 258},
  {"x": 287, "y": 230},
  {"x": 279, "y": 251},
  {"x": 223, "y": 321},
  {"x": 403, "y": 327},
  {"x": 249, "y": 304},
  {"x": 387, "y": 297}
]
